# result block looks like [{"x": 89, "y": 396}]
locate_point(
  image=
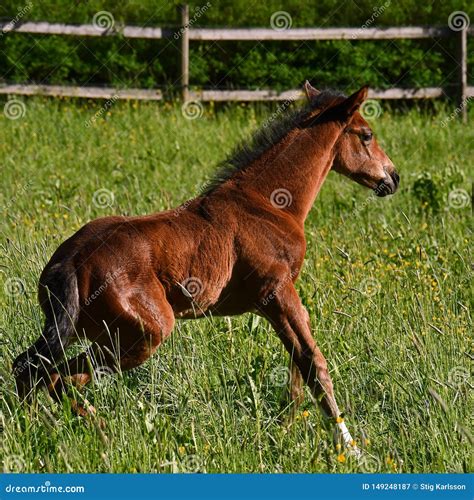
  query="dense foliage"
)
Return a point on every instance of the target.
[{"x": 155, "y": 63}]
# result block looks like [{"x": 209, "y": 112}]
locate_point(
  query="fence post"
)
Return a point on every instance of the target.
[
  {"x": 185, "y": 52},
  {"x": 462, "y": 73}
]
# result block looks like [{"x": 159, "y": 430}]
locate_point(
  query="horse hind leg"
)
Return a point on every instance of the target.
[
  {"x": 60, "y": 303},
  {"x": 78, "y": 372},
  {"x": 143, "y": 322}
]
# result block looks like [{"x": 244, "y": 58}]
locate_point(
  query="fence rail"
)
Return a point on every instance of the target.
[
  {"x": 235, "y": 34},
  {"x": 84, "y": 92},
  {"x": 185, "y": 33},
  {"x": 288, "y": 95}
]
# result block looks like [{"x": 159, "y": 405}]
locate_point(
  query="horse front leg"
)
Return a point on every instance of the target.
[{"x": 291, "y": 322}]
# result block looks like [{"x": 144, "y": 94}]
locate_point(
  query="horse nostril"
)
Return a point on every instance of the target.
[
  {"x": 389, "y": 184},
  {"x": 395, "y": 177}
]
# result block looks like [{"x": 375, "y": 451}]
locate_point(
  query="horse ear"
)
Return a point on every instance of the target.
[
  {"x": 353, "y": 102},
  {"x": 310, "y": 91}
]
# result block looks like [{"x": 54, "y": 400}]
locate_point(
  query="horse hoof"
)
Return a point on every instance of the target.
[
  {"x": 354, "y": 451},
  {"x": 83, "y": 411}
]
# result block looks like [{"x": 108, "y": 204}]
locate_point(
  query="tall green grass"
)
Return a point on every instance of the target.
[{"x": 387, "y": 283}]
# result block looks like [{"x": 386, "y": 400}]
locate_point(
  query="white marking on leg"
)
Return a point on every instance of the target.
[
  {"x": 347, "y": 438},
  {"x": 344, "y": 432}
]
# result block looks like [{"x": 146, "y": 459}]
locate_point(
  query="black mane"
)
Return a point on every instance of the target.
[{"x": 273, "y": 130}]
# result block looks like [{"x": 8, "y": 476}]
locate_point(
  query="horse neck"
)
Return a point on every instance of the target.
[{"x": 290, "y": 174}]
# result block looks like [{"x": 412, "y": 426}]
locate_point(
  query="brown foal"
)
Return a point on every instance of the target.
[{"x": 120, "y": 282}]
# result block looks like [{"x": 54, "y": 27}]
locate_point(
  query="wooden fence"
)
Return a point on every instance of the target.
[{"x": 186, "y": 34}]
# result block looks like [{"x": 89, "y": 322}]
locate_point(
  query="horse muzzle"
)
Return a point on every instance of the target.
[{"x": 389, "y": 184}]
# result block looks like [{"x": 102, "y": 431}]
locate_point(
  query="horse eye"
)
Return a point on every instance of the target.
[{"x": 366, "y": 136}]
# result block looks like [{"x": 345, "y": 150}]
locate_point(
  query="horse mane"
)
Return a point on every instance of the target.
[{"x": 273, "y": 130}]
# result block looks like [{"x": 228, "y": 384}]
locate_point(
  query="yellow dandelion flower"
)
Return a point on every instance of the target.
[
  {"x": 306, "y": 414},
  {"x": 181, "y": 450},
  {"x": 338, "y": 446},
  {"x": 341, "y": 458},
  {"x": 339, "y": 420}
]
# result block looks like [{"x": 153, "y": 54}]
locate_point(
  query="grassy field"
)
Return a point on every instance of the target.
[{"x": 387, "y": 282}]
